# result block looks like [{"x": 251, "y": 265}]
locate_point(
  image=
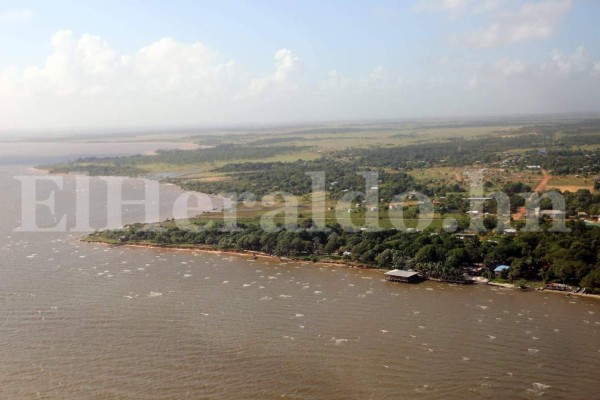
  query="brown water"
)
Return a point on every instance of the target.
[
  {"x": 85, "y": 321},
  {"x": 49, "y": 152}
]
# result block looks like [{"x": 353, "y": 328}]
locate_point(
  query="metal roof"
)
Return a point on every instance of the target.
[{"x": 401, "y": 273}]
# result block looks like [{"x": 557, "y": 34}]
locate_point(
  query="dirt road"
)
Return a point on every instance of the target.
[{"x": 539, "y": 188}]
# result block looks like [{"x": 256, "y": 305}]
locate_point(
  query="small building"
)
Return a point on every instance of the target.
[
  {"x": 510, "y": 231},
  {"x": 500, "y": 269},
  {"x": 557, "y": 286},
  {"x": 398, "y": 275},
  {"x": 553, "y": 213},
  {"x": 463, "y": 235}
]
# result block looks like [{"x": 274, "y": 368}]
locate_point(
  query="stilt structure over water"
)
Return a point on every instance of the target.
[{"x": 398, "y": 275}]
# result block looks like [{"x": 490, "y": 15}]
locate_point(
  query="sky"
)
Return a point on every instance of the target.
[{"x": 92, "y": 65}]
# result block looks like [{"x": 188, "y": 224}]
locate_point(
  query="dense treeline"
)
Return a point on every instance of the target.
[
  {"x": 456, "y": 152},
  {"x": 341, "y": 177},
  {"x": 97, "y": 169},
  {"x": 568, "y": 133},
  {"x": 555, "y": 141},
  {"x": 132, "y": 165},
  {"x": 582, "y": 201},
  {"x": 562, "y": 162},
  {"x": 278, "y": 140},
  {"x": 571, "y": 257},
  {"x": 224, "y": 152}
]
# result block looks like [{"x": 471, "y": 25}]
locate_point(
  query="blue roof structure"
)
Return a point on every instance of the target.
[{"x": 501, "y": 268}]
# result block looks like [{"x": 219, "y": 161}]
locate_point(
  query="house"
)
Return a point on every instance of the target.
[
  {"x": 463, "y": 235},
  {"x": 553, "y": 213},
  {"x": 398, "y": 275},
  {"x": 500, "y": 269}
]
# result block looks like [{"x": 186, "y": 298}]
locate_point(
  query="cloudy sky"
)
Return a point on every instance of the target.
[{"x": 115, "y": 64}]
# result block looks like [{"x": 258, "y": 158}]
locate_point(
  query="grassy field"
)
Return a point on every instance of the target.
[{"x": 571, "y": 183}]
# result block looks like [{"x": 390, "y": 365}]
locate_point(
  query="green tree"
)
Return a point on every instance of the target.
[
  {"x": 385, "y": 259},
  {"x": 333, "y": 243},
  {"x": 426, "y": 254},
  {"x": 592, "y": 280}
]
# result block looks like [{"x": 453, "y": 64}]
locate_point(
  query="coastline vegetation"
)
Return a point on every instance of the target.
[
  {"x": 569, "y": 258},
  {"x": 433, "y": 159}
]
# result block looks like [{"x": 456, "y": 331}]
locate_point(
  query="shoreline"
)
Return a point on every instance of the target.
[
  {"x": 42, "y": 170},
  {"x": 565, "y": 293},
  {"x": 256, "y": 255},
  {"x": 239, "y": 253}
]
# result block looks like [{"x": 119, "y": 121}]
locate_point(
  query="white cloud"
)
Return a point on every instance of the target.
[
  {"x": 532, "y": 21},
  {"x": 84, "y": 80},
  {"x": 86, "y": 83},
  {"x": 459, "y": 7},
  {"x": 288, "y": 69},
  {"x": 509, "y": 67},
  {"x": 454, "y": 6},
  {"x": 336, "y": 80},
  {"x": 16, "y": 15},
  {"x": 483, "y": 6},
  {"x": 577, "y": 62},
  {"x": 379, "y": 77},
  {"x": 563, "y": 83},
  {"x": 510, "y": 21}
]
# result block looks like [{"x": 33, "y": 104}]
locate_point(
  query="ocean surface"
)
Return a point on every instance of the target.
[{"x": 89, "y": 321}]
